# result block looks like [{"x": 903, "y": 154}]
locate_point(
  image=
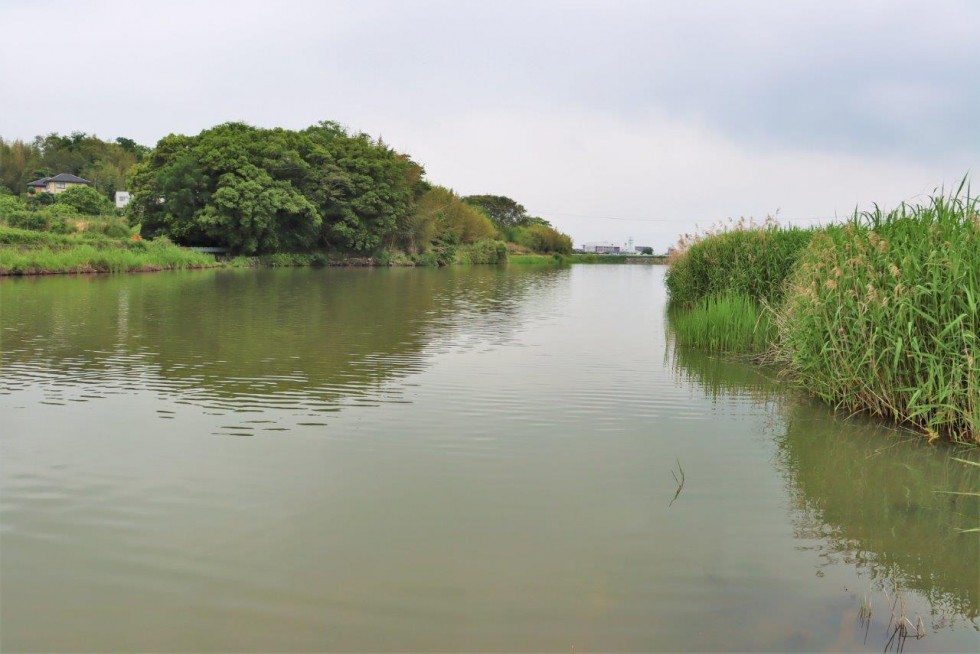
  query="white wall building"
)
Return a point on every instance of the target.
[
  {"x": 601, "y": 247},
  {"x": 122, "y": 199}
]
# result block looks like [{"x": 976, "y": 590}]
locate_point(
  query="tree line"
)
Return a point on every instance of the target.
[
  {"x": 105, "y": 163},
  {"x": 256, "y": 190}
]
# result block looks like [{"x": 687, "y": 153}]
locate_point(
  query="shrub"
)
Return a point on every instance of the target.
[
  {"x": 86, "y": 200},
  {"x": 36, "y": 220},
  {"x": 61, "y": 226},
  {"x": 10, "y": 204},
  {"x": 482, "y": 252},
  {"x": 440, "y": 215},
  {"x": 62, "y": 210},
  {"x": 116, "y": 229},
  {"x": 541, "y": 238},
  {"x": 38, "y": 200}
]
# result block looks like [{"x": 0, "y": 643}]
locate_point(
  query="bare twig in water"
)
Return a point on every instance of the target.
[
  {"x": 903, "y": 626},
  {"x": 865, "y": 614},
  {"x": 679, "y": 482}
]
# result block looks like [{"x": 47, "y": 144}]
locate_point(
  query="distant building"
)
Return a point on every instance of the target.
[
  {"x": 56, "y": 184},
  {"x": 601, "y": 247},
  {"x": 122, "y": 199}
]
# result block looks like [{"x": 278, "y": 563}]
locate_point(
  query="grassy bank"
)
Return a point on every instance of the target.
[
  {"x": 27, "y": 252},
  {"x": 33, "y": 252},
  {"x": 880, "y": 315}
]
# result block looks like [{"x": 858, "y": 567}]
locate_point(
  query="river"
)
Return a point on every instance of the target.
[{"x": 471, "y": 458}]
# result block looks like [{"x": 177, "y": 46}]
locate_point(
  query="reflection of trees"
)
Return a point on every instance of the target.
[
  {"x": 867, "y": 491},
  {"x": 271, "y": 336}
]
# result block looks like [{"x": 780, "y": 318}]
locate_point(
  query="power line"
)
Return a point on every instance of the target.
[{"x": 560, "y": 214}]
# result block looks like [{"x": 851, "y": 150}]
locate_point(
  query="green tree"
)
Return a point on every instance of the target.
[
  {"x": 368, "y": 188},
  {"x": 86, "y": 200},
  {"x": 503, "y": 211},
  {"x": 440, "y": 215},
  {"x": 542, "y": 238}
]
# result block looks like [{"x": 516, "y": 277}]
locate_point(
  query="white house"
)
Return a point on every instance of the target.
[{"x": 122, "y": 199}]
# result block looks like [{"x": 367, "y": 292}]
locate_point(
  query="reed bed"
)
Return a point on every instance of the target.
[
  {"x": 741, "y": 257},
  {"x": 882, "y": 316}
]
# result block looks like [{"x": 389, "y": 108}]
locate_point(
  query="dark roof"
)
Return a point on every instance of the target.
[{"x": 63, "y": 177}]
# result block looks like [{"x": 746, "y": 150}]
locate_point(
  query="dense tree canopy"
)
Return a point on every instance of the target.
[
  {"x": 105, "y": 163},
  {"x": 503, "y": 211},
  {"x": 267, "y": 190}
]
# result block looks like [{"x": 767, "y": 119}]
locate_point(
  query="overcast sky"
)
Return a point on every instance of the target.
[{"x": 611, "y": 119}]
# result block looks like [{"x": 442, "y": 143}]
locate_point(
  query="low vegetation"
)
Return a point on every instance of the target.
[
  {"x": 25, "y": 252},
  {"x": 729, "y": 322},
  {"x": 880, "y": 315}
]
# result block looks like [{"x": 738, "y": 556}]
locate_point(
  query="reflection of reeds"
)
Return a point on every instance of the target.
[
  {"x": 679, "y": 482},
  {"x": 866, "y": 611},
  {"x": 720, "y": 376}
]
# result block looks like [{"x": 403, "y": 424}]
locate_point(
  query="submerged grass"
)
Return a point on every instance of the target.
[{"x": 729, "y": 322}]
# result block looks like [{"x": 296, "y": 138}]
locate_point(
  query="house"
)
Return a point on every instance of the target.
[
  {"x": 122, "y": 199},
  {"x": 56, "y": 184}
]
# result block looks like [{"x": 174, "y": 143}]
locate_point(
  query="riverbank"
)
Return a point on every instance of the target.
[
  {"x": 30, "y": 252},
  {"x": 878, "y": 316},
  {"x": 565, "y": 259}
]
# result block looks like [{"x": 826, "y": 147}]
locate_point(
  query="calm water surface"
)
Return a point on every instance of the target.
[{"x": 461, "y": 459}]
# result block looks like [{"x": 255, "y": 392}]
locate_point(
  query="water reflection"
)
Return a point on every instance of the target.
[
  {"x": 308, "y": 341},
  {"x": 864, "y": 494}
]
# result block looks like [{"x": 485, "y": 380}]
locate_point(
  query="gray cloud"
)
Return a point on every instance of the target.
[{"x": 665, "y": 113}]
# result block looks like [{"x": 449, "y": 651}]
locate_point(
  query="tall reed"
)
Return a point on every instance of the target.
[
  {"x": 882, "y": 316},
  {"x": 743, "y": 257}
]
